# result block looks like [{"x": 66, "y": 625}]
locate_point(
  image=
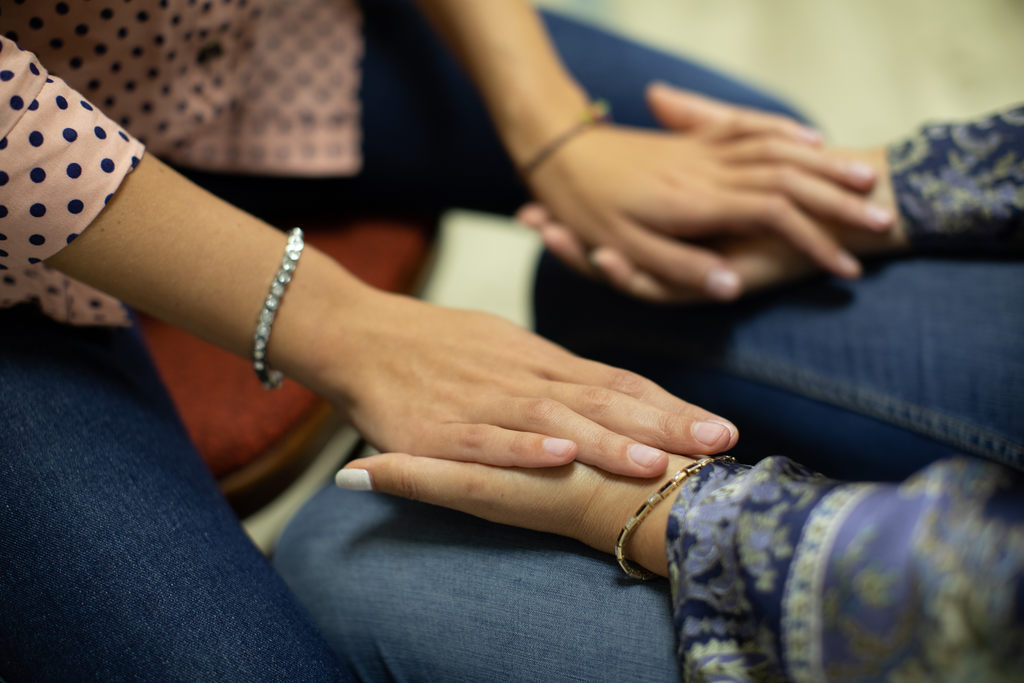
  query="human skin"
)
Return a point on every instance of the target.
[
  {"x": 575, "y": 500},
  {"x": 760, "y": 261},
  {"x": 408, "y": 375},
  {"x": 651, "y": 194}
]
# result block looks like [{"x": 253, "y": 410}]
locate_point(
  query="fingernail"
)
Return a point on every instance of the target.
[
  {"x": 860, "y": 172},
  {"x": 353, "y": 480},
  {"x": 723, "y": 283},
  {"x": 879, "y": 215},
  {"x": 531, "y": 215},
  {"x": 561, "y": 447},
  {"x": 728, "y": 426},
  {"x": 645, "y": 456},
  {"x": 810, "y": 135},
  {"x": 847, "y": 265},
  {"x": 709, "y": 433}
]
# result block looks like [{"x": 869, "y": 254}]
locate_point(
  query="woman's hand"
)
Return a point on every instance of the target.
[
  {"x": 575, "y": 500},
  {"x": 759, "y": 261},
  {"x": 724, "y": 170},
  {"x": 470, "y": 386}
]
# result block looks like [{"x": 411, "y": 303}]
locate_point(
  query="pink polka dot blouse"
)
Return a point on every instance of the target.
[{"x": 86, "y": 86}]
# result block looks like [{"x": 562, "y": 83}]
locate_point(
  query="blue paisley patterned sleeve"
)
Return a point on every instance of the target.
[
  {"x": 961, "y": 186},
  {"x": 779, "y": 574}
]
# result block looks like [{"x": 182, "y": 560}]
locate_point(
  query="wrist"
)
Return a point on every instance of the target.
[
  {"x": 614, "y": 501},
  {"x": 318, "y": 324},
  {"x": 537, "y": 113}
]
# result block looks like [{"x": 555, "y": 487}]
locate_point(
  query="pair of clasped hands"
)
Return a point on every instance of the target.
[{"x": 723, "y": 201}]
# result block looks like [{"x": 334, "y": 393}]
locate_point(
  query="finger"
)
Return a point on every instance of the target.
[
  {"x": 852, "y": 173},
  {"x": 501, "y": 444},
  {"x": 598, "y": 375},
  {"x": 778, "y": 214},
  {"x": 622, "y": 274},
  {"x": 598, "y": 445},
  {"x": 820, "y": 197},
  {"x": 684, "y": 428},
  {"x": 549, "y": 500},
  {"x": 533, "y": 215},
  {"x": 682, "y": 110},
  {"x": 681, "y": 265},
  {"x": 540, "y": 432},
  {"x": 568, "y": 248}
]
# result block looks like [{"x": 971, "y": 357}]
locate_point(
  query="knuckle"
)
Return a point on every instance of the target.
[
  {"x": 672, "y": 428},
  {"x": 473, "y": 438},
  {"x": 610, "y": 444},
  {"x": 522, "y": 446},
  {"x": 626, "y": 382},
  {"x": 597, "y": 400},
  {"x": 541, "y": 411}
]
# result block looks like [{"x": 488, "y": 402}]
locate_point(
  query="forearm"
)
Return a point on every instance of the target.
[
  {"x": 169, "y": 248},
  {"x": 505, "y": 48}
]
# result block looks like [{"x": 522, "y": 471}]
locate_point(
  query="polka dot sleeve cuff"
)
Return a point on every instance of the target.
[{"x": 61, "y": 160}]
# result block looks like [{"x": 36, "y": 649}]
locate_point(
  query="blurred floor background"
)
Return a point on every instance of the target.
[{"x": 865, "y": 71}]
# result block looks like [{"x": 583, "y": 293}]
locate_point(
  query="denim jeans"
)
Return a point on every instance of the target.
[
  {"x": 866, "y": 380},
  {"x": 870, "y": 379},
  {"x": 119, "y": 558}
]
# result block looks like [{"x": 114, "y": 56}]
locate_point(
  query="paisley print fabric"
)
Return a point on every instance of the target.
[
  {"x": 961, "y": 185},
  {"x": 780, "y": 574}
]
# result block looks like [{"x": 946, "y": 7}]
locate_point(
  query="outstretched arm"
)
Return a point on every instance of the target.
[{"x": 779, "y": 573}]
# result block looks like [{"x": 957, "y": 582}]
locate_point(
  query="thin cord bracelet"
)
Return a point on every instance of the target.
[
  {"x": 597, "y": 112},
  {"x": 271, "y": 379},
  {"x": 634, "y": 570}
]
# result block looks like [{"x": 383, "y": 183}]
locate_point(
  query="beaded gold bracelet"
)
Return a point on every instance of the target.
[
  {"x": 596, "y": 112},
  {"x": 636, "y": 571},
  {"x": 271, "y": 379}
]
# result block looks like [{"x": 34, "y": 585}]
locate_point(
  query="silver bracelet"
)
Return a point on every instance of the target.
[{"x": 271, "y": 379}]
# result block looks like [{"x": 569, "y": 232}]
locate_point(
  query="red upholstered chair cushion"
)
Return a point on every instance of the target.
[{"x": 233, "y": 421}]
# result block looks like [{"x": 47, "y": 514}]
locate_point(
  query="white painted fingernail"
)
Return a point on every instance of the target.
[
  {"x": 645, "y": 456},
  {"x": 353, "y": 480},
  {"x": 723, "y": 283}
]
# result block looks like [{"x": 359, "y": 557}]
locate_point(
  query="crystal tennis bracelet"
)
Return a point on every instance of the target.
[{"x": 271, "y": 379}]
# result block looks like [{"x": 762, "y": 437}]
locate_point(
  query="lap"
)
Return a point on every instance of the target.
[
  {"x": 408, "y": 591},
  {"x": 120, "y": 556},
  {"x": 922, "y": 353}
]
